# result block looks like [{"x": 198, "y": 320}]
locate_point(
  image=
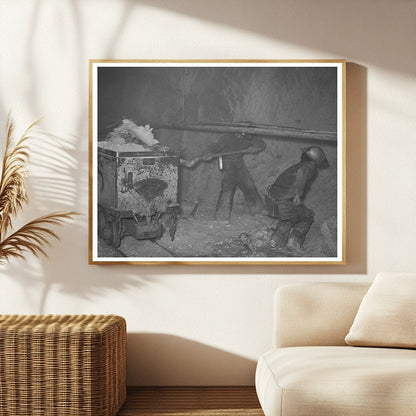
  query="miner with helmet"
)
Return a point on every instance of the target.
[{"x": 285, "y": 195}]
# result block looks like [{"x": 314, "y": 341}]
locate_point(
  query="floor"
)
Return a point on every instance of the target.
[
  {"x": 187, "y": 401},
  {"x": 244, "y": 236}
]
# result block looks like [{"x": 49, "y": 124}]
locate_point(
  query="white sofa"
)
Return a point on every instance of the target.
[{"x": 311, "y": 371}]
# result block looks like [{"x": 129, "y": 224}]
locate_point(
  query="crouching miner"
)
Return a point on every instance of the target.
[{"x": 285, "y": 195}]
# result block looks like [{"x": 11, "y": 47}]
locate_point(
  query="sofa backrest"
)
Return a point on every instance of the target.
[{"x": 309, "y": 314}]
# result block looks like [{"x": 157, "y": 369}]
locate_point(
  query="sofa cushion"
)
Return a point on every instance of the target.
[
  {"x": 342, "y": 381},
  {"x": 387, "y": 314},
  {"x": 315, "y": 314}
]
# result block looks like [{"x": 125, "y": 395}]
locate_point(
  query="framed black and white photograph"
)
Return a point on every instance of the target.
[{"x": 217, "y": 162}]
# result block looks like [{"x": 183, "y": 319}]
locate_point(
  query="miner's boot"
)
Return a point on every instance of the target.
[
  {"x": 281, "y": 235},
  {"x": 297, "y": 236},
  {"x": 294, "y": 244}
]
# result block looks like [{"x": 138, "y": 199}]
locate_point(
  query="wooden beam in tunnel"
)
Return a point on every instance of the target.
[{"x": 279, "y": 132}]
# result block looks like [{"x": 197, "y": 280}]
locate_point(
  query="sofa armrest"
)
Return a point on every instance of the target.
[{"x": 315, "y": 313}]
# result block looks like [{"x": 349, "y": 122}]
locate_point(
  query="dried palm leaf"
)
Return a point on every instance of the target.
[
  {"x": 33, "y": 237},
  {"x": 12, "y": 183}
]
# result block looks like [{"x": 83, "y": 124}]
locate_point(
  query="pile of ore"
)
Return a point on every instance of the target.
[{"x": 130, "y": 132}]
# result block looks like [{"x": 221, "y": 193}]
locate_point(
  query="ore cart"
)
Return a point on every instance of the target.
[{"x": 137, "y": 192}]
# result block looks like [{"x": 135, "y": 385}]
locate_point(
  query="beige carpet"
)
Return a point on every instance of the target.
[{"x": 187, "y": 401}]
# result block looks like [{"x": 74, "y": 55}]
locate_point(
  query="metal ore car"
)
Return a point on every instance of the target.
[{"x": 137, "y": 191}]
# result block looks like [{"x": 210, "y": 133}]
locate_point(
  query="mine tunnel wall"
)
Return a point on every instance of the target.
[{"x": 303, "y": 98}]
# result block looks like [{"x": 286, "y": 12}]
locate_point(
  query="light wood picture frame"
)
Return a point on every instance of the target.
[{"x": 217, "y": 162}]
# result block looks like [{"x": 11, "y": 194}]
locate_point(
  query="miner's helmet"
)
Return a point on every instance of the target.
[{"x": 316, "y": 155}]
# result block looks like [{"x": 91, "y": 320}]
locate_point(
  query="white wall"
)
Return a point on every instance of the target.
[{"x": 204, "y": 325}]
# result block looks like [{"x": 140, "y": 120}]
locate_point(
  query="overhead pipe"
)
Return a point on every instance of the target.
[{"x": 256, "y": 129}]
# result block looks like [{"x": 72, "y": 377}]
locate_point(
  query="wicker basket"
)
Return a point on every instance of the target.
[{"x": 54, "y": 365}]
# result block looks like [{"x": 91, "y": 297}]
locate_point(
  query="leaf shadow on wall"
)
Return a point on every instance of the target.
[
  {"x": 333, "y": 27},
  {"x": 164, "y": 359},
  {"x": 59, "y": 181},
  {"x": 69, "y": 185}
]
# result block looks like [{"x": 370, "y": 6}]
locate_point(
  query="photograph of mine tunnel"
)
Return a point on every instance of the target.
[{"x": 253, "y": 153}]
